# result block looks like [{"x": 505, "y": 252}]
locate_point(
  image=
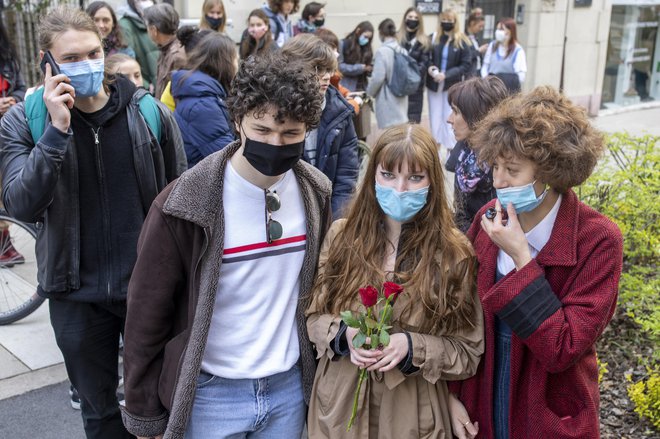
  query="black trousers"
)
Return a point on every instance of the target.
[{"x": 88, "y": 336}]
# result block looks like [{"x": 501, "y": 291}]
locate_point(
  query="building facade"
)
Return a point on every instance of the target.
[{"x": 604, "y": 54}]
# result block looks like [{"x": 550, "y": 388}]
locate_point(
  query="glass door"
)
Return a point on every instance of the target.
[{"x": 632, "y": 72}]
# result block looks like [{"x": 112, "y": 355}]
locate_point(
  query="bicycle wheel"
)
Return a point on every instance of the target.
[{"x": 18, "y": 270}]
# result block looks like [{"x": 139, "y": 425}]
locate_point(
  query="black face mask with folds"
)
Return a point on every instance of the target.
[
  {"x": 320, "y": 22},
  {"x": 214, "y": 23},
  {"x": 272, "y": 160},
  {"x": 412, "y": 24},
  {"x": 447, "y": 27}
]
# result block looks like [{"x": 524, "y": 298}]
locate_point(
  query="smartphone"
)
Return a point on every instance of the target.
[{"x": 48, "y": 58}]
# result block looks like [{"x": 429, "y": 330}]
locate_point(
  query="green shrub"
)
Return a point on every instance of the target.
[
  {"x": 646, "y": 396},
  {"x": 626, "y": 188},
  {"x": 602, "y": 370}
]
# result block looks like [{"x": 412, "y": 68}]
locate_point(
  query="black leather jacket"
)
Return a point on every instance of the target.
[
  {"x": 40, "y": 184},
  {"x": 459, "y": 63}
]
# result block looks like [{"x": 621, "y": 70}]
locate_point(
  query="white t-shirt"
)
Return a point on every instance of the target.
[{"x": 253, "y": 330}]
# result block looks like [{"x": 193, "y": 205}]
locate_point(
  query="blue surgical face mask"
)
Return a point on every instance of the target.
[
  {"x": 86, "y": 76},
  {"x": 523, "y": 198},
  {"x": 401, "y": 206},
  {"x": 362, "y": 40}
]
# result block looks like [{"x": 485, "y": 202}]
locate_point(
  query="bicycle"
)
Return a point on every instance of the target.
[{"x": 18, "y": 269}]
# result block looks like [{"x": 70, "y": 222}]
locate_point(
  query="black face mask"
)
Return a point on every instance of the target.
[
  {"x": 272, "y": 160},
  {"x": 320, "y": 22},
  {"x": 447, "y": 27},
  {"x": 412, "y": 24},
  {"x": 215, "y": 23}
]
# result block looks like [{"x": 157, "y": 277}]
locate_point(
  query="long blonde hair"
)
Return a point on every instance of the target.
[
  {"x": 420, "y": 35},
  {"x": 434, "y": 260},
  {"x": 456, "y": 36},
  {"x": 206, "y": 7}
]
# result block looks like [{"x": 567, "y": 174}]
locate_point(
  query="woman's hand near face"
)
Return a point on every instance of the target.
[
  {"x": 59, "y": 99},
  {"x": 392, "y": 354},
  {"x": 362, "y": 358},
  {"x": 508, "y": 235}
]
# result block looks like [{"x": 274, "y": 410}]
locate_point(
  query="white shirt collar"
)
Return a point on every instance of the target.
[{"x": 539, "y": 236}]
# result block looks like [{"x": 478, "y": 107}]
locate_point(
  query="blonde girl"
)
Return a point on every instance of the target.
[{"x": 450, "y": 62}]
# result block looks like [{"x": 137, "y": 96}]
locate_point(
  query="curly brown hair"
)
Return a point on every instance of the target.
[
  {"x": 268, "y": 80},
  {"x": 545, "y": 127}
]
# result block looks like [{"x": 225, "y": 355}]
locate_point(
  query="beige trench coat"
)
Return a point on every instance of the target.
[{"x": 393, "y": 405}]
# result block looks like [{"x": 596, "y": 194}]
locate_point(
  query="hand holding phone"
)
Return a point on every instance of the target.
[
  {"x": 58, "y": 94},
  {"x": 48, "y": 58}
]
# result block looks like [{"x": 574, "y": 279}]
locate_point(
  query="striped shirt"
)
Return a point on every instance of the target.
[{"x": 253, "y": 330}]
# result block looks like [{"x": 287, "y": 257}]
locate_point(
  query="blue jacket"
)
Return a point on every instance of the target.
[
  {"x": 202, "y": 114},
  {"x": 336, "y": 149}
]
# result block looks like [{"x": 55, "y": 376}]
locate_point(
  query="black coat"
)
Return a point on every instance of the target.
[
  {"x": 336, "y": 149},
  {"x": 459, "y": 63},
  {"x": 416, "y": 100}
]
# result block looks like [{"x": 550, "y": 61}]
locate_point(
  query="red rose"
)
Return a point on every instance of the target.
[
  {"x": 369, "y": 296},
  {"x": 392, "y": 289}
]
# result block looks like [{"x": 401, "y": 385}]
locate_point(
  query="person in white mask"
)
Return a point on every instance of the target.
[{"x": 505, "y": 57}]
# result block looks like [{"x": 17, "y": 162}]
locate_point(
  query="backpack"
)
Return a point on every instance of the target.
[
  {"x": 278, "y": 26},
  {"x": 405, "y": 78},
  {"x": 36, "y": 113}
]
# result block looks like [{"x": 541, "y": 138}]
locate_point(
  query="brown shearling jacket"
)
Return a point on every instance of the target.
[{"x": 172, "y": 292}]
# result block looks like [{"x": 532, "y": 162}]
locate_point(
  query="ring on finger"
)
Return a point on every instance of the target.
[{"x": 466, "y": 423}]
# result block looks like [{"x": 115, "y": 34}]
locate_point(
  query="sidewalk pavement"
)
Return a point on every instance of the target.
[{"x": 30, "y": 359}]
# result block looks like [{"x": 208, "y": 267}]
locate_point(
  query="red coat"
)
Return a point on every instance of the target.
[{"x": 557, "y": 306}]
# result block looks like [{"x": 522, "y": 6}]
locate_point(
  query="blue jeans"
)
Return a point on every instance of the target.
[{"x": 269, "y": 408}]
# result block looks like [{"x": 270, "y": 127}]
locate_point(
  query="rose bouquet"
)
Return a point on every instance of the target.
[{"x": 373, "y": 331}]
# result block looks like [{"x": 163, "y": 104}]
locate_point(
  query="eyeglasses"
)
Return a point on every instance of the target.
[{"x": 273, "y": 228}]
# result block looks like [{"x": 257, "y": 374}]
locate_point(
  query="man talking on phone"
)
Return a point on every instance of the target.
[{"x": 83, "y": 158}]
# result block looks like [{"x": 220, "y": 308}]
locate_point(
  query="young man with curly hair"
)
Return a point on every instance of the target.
[{"x": 216, "y": 345}]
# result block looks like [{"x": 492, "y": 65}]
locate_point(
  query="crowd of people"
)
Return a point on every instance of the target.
[{"x": 198, "y": 198}]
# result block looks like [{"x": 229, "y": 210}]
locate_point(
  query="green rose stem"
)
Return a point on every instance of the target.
[
  {"x": 384, "y": 316},
  {"x": 363, "y": 375},
  {"x": 363, "y": 372}
]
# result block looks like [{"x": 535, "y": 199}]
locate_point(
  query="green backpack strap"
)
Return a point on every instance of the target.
[
  {"x": 36, "y": 113},
  {"x": 151, "y": 113}
]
